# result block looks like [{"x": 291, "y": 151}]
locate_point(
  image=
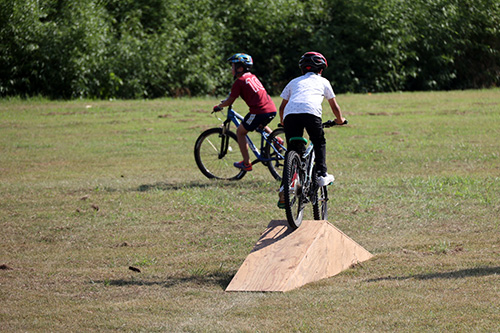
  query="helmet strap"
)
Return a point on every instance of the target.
[{"x": 238, "y": 72}]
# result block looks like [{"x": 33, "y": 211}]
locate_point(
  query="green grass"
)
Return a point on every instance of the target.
[{"x": 89, "y": 188}]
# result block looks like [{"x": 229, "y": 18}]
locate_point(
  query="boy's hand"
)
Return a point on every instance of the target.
[
  {"x": 341, "y": 121},
  {"x": 335, "y": 122},
  {"x": 217, "y": 108}
]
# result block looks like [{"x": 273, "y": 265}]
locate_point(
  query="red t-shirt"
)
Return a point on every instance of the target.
[{"x": 253, "y": 93}]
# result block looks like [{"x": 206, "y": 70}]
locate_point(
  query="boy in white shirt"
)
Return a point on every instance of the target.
[{"x": 301, "y": 108}]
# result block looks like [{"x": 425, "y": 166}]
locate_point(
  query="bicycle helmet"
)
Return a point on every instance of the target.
[
  {"x": 242, "y": 59},
  {"x": 312, "y": 62}
]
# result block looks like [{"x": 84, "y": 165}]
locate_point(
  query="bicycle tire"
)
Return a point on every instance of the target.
[
  {"x": 276, "y": 164},
  {"x": 293, "y": 177},
  {"x": 320, "y": 203},
  {"x": 207, "y": 151}
]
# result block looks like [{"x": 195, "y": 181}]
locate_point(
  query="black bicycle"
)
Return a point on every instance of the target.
[
  {"x": 299, "y": 182},
  {"x": 217, "y": 148}
]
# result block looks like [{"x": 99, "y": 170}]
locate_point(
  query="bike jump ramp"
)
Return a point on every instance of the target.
[{"x": 283, "y": 259}]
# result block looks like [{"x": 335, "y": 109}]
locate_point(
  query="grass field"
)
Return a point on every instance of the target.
[{"x": 89, "y": 188}]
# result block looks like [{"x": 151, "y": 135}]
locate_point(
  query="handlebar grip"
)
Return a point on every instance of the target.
[
  {"x": 216, "y": 109},
  {"x": 331, "y": 123}
]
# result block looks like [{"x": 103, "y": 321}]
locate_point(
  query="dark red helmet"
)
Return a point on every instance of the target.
[{"x": 312, "y": 62}]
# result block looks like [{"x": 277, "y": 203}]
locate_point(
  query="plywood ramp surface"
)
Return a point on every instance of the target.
[{"x": 283, "y": 260}]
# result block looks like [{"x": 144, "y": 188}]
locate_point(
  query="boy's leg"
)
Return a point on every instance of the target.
[
  {"x": 250, "y": 123},
  {"x": 267, "y": 120},
  {"x": 316, "y": 133},
  {"x": 241, "y": 133},
  {"x": 294, "y": 126}
]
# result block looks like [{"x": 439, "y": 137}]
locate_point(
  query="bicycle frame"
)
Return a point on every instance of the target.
[
  {"x": 236, "y": 119},
  {"x": 308, "y": 157}
]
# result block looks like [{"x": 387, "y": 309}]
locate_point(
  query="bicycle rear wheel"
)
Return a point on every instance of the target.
[
  {"x": 215, "y": 154},
  {"x": 293, "y": 178},
  {"x": 277, "y": 157},
  {"x": 320, "y": 203}
]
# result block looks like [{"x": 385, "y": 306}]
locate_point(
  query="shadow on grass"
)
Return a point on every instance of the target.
[
  {"x": 460, "y": 274},
  {"x": 169, "y": 186},
  {"x": 220, "y": 279}
]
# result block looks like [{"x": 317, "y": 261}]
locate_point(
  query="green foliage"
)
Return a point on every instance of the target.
[
  {"x": 477, "y": 51},
  {"x": 369, "y": 45},
  {"x": 154, "y": 48}
]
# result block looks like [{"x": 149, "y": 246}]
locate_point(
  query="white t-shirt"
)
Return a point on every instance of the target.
[{"x": 305, "y": 94}]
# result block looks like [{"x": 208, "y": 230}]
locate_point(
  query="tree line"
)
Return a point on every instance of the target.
[{"x": 155, "y": 48}]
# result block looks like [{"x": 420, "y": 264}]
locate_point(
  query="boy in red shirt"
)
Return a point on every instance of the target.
[{"x": 261, "y": 107}]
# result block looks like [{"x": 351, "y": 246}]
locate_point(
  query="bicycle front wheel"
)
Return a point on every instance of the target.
[
  {"x": 275, "y": 151},
  {"x": 215, "y": 154},
  {"x": 293, "y": 178},
  {"x": 320, "y": 203}
]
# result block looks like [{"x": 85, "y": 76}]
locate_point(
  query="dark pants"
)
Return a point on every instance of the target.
[{"x": 294, "y": 126}]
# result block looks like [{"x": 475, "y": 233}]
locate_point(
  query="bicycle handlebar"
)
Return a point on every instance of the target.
[
  {"x": 217, "y": 109},
  {"x": 331, "y": 123},
  {"x": 327, "y": 124}
]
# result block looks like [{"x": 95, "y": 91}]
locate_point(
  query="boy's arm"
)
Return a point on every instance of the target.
[
  {"x": 336, "y": 111},
  {"x": 228, "y": 101},
  {"x": 282, "y": 110}
]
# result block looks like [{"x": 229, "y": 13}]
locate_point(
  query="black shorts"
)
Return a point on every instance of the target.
[{"x": 252, "y": 121}]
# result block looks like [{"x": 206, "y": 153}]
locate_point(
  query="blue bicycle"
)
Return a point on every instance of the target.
[{"x": 216, "y": 149}]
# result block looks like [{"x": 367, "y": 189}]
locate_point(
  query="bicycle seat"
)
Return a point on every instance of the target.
[
  {"x": 298, "y": 138},
  {"x": 298, "y": 144}
]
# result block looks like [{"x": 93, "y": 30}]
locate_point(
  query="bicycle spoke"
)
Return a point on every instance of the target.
[
  {"x": 274, "y": 151},
  {"x": 209, "y": 158},
  {"x": 213, "y": 146}
]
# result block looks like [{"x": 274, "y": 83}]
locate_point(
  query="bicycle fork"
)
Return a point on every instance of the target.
[
  {"x": 308, "y": 159},
  {"x": 224, "y": 143}
]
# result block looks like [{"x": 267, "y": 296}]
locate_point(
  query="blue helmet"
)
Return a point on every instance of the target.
[{"x": 242, "y": 59}]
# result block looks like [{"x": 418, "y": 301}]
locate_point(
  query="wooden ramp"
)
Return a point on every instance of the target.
[{"x": 283, "y": 260}]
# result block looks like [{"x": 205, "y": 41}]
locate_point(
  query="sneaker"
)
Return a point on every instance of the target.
[
  {"x": 243, "y": 166},
  {"x": 325, "y": 180},
  {"x": 281, "y": 201}
]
